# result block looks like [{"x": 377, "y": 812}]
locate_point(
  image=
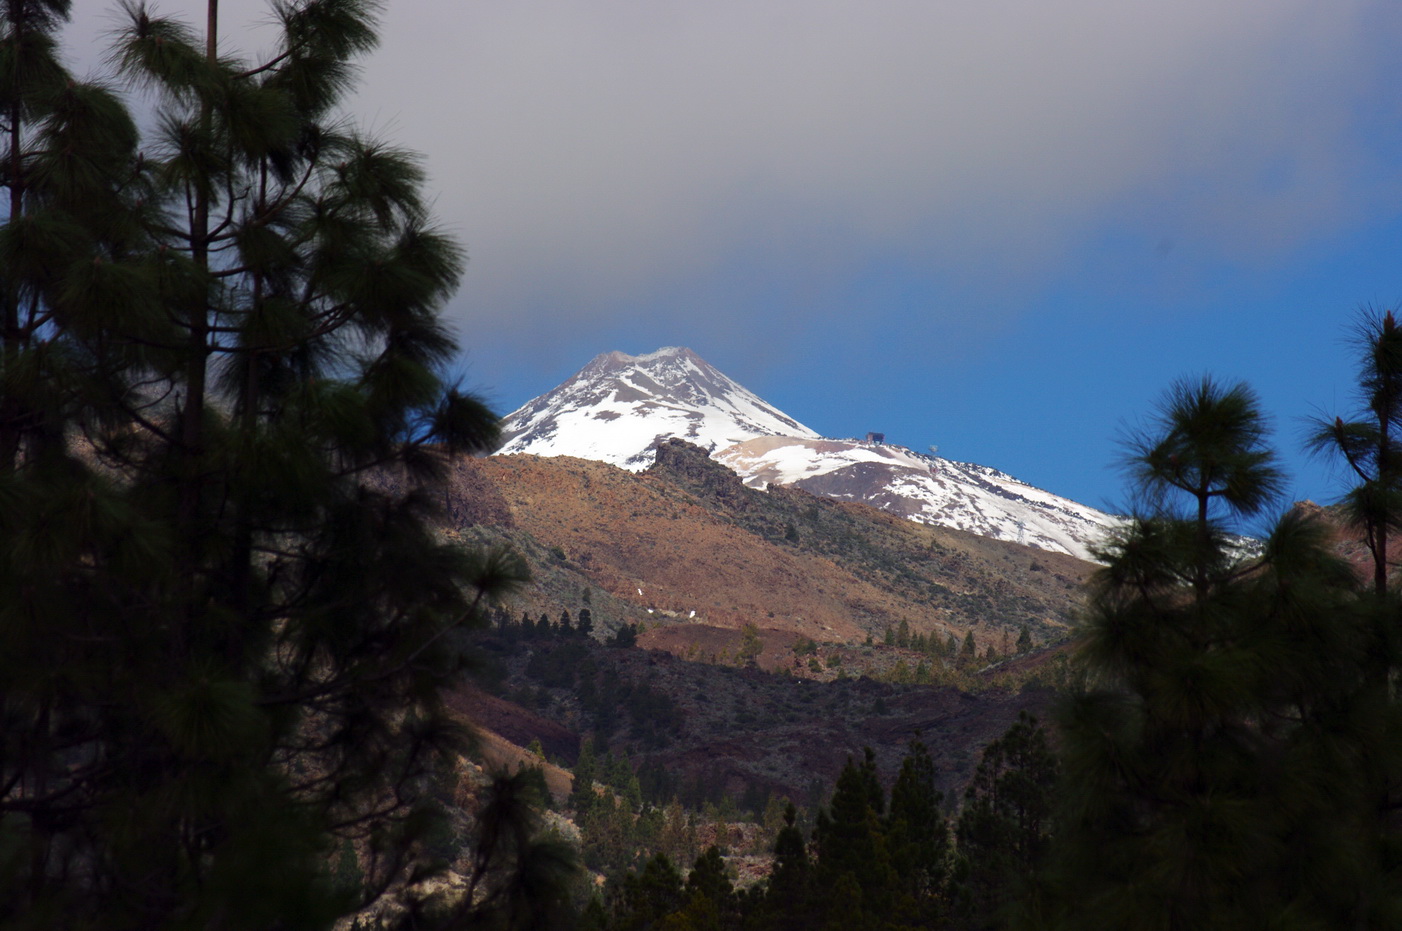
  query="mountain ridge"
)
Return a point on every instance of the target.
[{"x": 619, "y": 408}]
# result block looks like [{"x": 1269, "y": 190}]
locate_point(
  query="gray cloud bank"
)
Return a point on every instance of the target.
[{"x": 596, "y": 155}]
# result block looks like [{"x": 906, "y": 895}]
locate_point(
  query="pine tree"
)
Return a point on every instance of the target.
[
  {"x": 968, "y": 652},
  {"x": 1371, "y": 445},
  {"x": 586, "y": 771},
  {"x": 1207, "y": 447},
  {"x": 1004, "y": 829},
  {"x": 65, "y": 144},
  {"x": 851, "y": 843},
  {"x": 595, "y": 916},
  {"x": 644, "y": 899},
  {"x": 751, "y": 646},
  {"x": 1221, "y": 766},
  {"x": 227, "y": 621},
  {"x": 918, "y": 838},
  {"x": 710, "y": 894},
  {"x": 788, "y": 900},
  {"x": 517, "y": 877}
]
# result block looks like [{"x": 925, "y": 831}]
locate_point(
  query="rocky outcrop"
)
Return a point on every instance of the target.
[{"x": 691, "y": 467}]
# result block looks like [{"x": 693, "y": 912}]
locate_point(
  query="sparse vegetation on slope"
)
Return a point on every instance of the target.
[{"x": 687, "y": 543}]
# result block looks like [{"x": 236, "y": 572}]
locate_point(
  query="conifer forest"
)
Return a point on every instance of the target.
[{"x": 233, "y": 635}]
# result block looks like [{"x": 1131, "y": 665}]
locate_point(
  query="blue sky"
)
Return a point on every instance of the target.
[{"x": 1000, "y": 227}]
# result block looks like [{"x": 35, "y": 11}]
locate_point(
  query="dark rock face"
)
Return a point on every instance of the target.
[{"x": 692, "y": 468}]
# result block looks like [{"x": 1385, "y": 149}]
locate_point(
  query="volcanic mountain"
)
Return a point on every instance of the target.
[{"x": 619, "y": 408}]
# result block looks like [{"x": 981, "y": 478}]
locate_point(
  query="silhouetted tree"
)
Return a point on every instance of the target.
[
  {"x": 1371, "y": 444},
  {"x": 710, "y": 900},
  {"x": 1004, "y": 828},
  {"x": 788, "y": 903},
  {"x": 1219, "y": 768},
  {"x": 1207, "y": 447},
  {"x": 227, "y": 620},
  {"x": 642, "y": 900},
  {"x": 851, "y": 843},
  {"x": 585, "y": 773},
  {"x": 517, "y": 877},
  {"x": 917, "y": 836}
]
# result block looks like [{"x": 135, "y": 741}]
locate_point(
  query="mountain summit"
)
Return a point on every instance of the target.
[{"x": 618, "y": 407}]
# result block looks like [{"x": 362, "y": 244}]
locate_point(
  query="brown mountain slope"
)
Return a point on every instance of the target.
[
  {"x": 628, "y": 535},
  {"x": 1350, "y": 539},
  {"x": 687, "y": 536}
]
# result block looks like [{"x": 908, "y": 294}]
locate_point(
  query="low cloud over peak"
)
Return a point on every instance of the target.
[{"x": 604, "y": 153}]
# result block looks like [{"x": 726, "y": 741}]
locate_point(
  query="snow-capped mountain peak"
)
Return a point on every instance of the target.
[{"x": 618, "y": 407}]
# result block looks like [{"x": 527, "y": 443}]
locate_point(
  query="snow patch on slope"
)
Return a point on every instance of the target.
[{"x": 922, "y": 488}]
